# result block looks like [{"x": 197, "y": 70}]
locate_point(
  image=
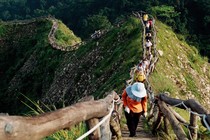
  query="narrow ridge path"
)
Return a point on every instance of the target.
[{"x": 141, "y": 133}]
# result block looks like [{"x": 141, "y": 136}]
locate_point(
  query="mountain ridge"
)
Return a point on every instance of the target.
[{"x": 60, "y": 78}]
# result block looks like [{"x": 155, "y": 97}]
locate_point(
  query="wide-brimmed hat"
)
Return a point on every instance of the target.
[{"x": 138, "y": 90}]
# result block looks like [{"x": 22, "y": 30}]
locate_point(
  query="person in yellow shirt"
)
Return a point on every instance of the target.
[
  {"x": 145, "y": 18},
  {"x": 135, "y": 104}
]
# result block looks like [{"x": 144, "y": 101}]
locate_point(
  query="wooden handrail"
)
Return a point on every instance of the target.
[{"x": 40, "y": 126}]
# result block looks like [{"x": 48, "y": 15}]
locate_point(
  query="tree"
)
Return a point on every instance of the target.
[
  {"x": 165, "y": 13},
  {"x": 96, "y": 22}
]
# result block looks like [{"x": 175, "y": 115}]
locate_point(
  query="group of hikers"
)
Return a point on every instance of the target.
[{"x": 134, "y": 96}]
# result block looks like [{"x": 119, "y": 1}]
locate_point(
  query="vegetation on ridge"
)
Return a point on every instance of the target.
[
  {"x": 180, "y": 69},
  {"x": 43, "y": 71},
  {"x": 98, "y": 66},
  {"x": 27, "y": 62},
  {"x": 65, "y": 37}
]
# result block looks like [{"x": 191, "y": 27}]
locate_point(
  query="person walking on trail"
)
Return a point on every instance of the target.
[
  {"x": 150, "y": 24},
  {"x": 147, "y": 27},
  {"x": 145, "y": 18},
  {"x": 148, "y": 36},
  {"x": 139, "y": 74},
  {"x": 148, "y": 45},
  {"x": 135, "y": 104},
  {"x": 146, "y": 64}
]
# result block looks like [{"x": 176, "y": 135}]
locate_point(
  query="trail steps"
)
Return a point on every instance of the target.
[{"x": 141, "y": 134}]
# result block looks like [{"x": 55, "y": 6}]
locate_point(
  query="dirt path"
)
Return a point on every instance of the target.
[{"x": 141, "y": 134}]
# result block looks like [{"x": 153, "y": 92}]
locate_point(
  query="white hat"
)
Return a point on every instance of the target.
[{"x": 138, "y": 90}]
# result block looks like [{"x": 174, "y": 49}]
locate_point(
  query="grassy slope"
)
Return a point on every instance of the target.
[
  {"x": 96, "y": 69},
  {"x": 180, "y": 70},
  {"x": 124, "y": 54},
  {"x": 27, "y": 62},
  {"x": 29, "y": 65},
  {"x": 65, "y": 37}
]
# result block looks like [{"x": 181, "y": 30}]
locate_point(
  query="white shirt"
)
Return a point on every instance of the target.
[{"x": 148, "y": 44}]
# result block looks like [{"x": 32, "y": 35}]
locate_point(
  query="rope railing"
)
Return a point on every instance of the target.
[
  {"x": 149, "y": 89},
  {"x": 203, "y": 116},
  {"x": 99, "y": 124},
  {"x": 152, "y": 62},
  {"x": 191, "y": 106}
]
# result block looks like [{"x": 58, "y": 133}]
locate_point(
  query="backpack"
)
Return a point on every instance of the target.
[{"x": 139, "y": 76}]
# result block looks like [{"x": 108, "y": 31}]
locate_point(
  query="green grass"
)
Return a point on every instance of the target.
[
  {"x": 161, "y": 83},
  {"x": 178, "y": 70},
  {"x": 65, "y": 37},
  {"x": 123, "y": 55},
  {"x": 178, "y": 62},
  {"x": 74, "y": 131},
  {"x": 22, "y": 42},
  {"x": 72, "y": 134}
]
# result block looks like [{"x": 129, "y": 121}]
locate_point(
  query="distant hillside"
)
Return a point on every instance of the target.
[
  {"x": 27, "y": 60},
  {"x": 180, "y": 70},
  {"x": 99, "y": 66},
  {"x": 29, "y": 65}
]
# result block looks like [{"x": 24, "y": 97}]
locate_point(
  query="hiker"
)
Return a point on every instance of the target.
[
  {"x": 148, "y": 45},
  {"x": 145, "y": 18},
  {"x": 147, "y": 27},
  {"x": 139, "y": 74},
  {"x": 140, "y": 66},
  {"x": 145, "y": 65},
  {"x": 135, "y": 104},
  {"x": 148, "y": 36},
  {"x": 149, "y": 57},
  {"x": 150, "y": 24}
]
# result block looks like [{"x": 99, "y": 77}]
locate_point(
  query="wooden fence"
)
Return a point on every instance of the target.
[
  {"x": 160, "y": 104},
  {"x": 40, "y": 126},
  {"x": 166, "y": 114}
]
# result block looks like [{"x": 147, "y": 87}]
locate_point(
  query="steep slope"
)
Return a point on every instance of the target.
[
  {"x": 29, "y": 65},
  {"x": 27, "y": 61},
  {"x": 181, "y": 70},
  {"x": 57, "y": 77},
  {"x": 97, "y": 67}
]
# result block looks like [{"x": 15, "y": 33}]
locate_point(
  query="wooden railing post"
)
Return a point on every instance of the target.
[
  {"x": 92, "y": 122},
  {"x": 172, "y": 119},
  {"x": 166, "y": 125},
  {"x": 193, "y": 125},
  {"x": 105, "y": 130},
  {"x": 96, "y": 134}
]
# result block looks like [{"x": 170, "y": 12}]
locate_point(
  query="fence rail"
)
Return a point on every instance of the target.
[
  {"x": 160, "y": 104},
  {"x": 40, "y": 126}
]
